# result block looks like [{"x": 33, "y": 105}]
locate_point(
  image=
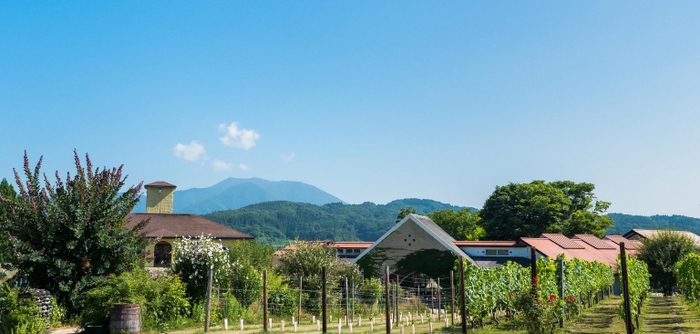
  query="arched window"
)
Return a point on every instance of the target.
[{"x": 161, "y": 254}]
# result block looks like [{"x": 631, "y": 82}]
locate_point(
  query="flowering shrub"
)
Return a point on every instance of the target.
[
  {"x": 540, "y": 315},
  {"x": 193, "y": 258}
]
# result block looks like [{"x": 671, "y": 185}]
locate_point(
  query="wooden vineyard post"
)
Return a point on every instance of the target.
[
  {"x": 452, "y": 291},
  {"x": 299, "y": 304},
  {"x": 323, "y": 299},
  {"x": 463, "y": 311},
  {"x": 626, "y": 289},
  {"x": 560, "y": 279},
  {"x": 439, "y": 301},
  {"x": 208, "y": 302},
  {"x": 396, "y": 300},
  {"x": 265, "y": 300},
  {"x": 533, "y": 270},
  {"x": 387, "y": 301},
  {"x": 352, "y": 300},
  {"x": 347, "y": 302}
]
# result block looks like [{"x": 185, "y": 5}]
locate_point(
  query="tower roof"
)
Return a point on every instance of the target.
[{"x": 161, "y": 184}]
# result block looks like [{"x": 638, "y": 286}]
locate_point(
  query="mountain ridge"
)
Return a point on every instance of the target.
[{"x": 234, "y": 193}]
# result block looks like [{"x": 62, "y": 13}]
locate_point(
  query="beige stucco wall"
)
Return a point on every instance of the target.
[
  {"x": 159, "y": 202},
  {"x": 405, "y": 240}
]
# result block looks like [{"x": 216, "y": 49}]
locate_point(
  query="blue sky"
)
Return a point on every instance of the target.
[{"x": 367, "y": 100}]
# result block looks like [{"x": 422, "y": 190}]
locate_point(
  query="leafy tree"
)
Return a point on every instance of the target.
[
  {"x": 661, "y": 252},
  {"x": 461, "y": 225},
  {"x": 249, "y": 251},
  {"x": 248, "y": 260},
  {"x": 404, "y": 212},
  {"x": 530, "y": 209},
  {"x": 246, "y": 283},
  {"x": 8, "y": 192},
  {"x": 585, "y": 214},
  {"x": 371, "y": 292},
  {"x": 306, "y": 260},
  {"x": 68, "y": 234}
]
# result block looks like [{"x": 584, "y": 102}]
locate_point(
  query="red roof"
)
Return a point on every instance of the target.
[
  {"x": 352, "y": 244},
  {"x": 629, "y": 244},
  {"x": 173, "y": 225},
  {"x": 584, "y": 251}
]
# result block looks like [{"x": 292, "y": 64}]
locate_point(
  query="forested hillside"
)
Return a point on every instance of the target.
[
  {"x": 277, "y": 222},
  {"x": 624, "y": 223}
]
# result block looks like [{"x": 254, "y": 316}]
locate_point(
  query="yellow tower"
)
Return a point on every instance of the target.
[{"x": 159, "y": 197}]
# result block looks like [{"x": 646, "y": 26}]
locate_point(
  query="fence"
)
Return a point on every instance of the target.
[{"x": 416, "y": 305}]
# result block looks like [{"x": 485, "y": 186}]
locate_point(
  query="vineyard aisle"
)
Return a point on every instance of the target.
[
  {"x": 601, "y": 318},
  {"x": 669, "y": 315}
]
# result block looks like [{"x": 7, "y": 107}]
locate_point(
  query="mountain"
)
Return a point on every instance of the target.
[
  {"x": 278, "y": 222},
  {"x": 233, "y": 193},
  {"x": 624, "y": 223}
]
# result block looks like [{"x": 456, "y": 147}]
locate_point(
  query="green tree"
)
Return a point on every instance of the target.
[
  {"x": 8, "y": 192},
  {"x": 461, "y": 225},
  {"x": 249, "y": 251},
  {"x": 371, "y": 292},
  {"x": 404, "y": 212},
  {"x": 586, "y": 215},
  {"x": 661, "y": 252},
  {"x": 306, "y": 260},
  {"x": 246, "y": 283},
  {"x": 530, "y": 209},
  {"x": 68, "y": 234}
]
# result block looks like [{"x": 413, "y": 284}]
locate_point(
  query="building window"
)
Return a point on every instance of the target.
[
  {"x": 496, "y": 252},
  {"x": 161, "y": 254}
]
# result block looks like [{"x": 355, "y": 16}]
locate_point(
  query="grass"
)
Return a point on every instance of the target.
[
  {"x": 660, "y": 315},
  {"x": 601, "y": 318},
  {"x": 669, "y": 315},
  {"x": 379, "y": 328}
]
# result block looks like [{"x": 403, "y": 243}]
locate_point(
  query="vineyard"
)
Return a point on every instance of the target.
[{"x": 563, "y": 288}]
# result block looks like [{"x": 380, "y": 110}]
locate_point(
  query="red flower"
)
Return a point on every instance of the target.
[
  {"x": 570, "y": 299},
  {"x": 552, "y": 298}
]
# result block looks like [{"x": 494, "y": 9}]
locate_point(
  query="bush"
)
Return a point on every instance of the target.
[
  {"x": 280, "y": 303},
  {"x": 161, "y": 298},
  {"x": 246, "y": 283},
  {"x": 661, "y": 252},
  {"x": 229, "y": 307},
  {"x": 19, "y": 315}
]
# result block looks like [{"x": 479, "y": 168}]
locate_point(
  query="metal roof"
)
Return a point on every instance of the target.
[
  {"x": 562, "y": 241},
  {"x": 629, "y": 244},
  {"x": 595, "y": 242}
]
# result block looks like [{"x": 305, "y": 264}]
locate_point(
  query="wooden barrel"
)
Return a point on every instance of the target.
[{"x": 125, "y": 318}]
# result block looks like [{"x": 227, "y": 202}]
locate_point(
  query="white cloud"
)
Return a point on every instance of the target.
[
  {"x": 287, "y": 157},
  {"x": 221, "y": 165},
  {"x": 192, "y": 152},
  {"x": 244, "y": 167},
  {"x": 238, "y": 138}
]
